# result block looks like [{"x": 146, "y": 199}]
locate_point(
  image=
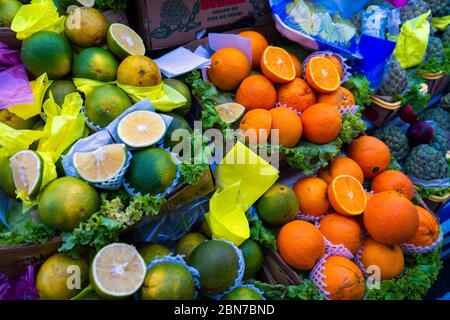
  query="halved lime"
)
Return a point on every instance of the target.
[
  {"x": 230, "y": 112},
  {"x": 27, "y": 167},
  {"x": 102, "y": 164},
  {"x": 117, "y": 271},
  {"x": 140, "y": 129},
  {"x": 124, "y": 41}
]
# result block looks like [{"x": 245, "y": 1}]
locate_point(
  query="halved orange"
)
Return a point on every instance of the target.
[
  {"x": 277, "y": 65},
  {"x": 322, "y": 75},
  {"x": 347, "y": 196}
]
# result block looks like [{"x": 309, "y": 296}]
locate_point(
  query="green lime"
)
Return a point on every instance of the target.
[
  {"x": 60, "y": 89},
  {"x": 154, "y": 251},
  {"x": 47, "y": 52},
  {"x": 105, "y": 103},
  {"x": 189, "y": 242},
  {"x": 178, "y": 122},
  {"x": 8, "y": 10},
  {"x": 95, "y": 64},
  {"x": 182, "y": 88},
  {"x": 168, "y": 281},
  {"x": 218, "y": 265},
  {"x": 242, "y": 293},
  {"x": 151, "y": 171},
  {"x": 253, "y": 257},
  {"x": 278, "y": 205},
  {"x": 59, "y": 277},
  {"x": 7, "y": 181},
  {"x": 117, "y": 271},
  {"x": 66, "y": 202},
  {"x": 10, "y": 119},
  {"x": 86, "y": 27},
  {"x": 124, "y": 41}
]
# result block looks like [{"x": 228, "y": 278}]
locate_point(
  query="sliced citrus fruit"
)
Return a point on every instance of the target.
[
  {"x": 117, "y": 271},
  {"x": 322, "y": 75},
  {"x": 141, "y": 129},
  {"x": 230, "y": 112},
  {"x": 102, "y": 164},
  {"x": 27, "y": 167},
  {"x": 347, "y": 196},
  {"x": 277, "y": 65},
  {"x": 124, "y": 41}
]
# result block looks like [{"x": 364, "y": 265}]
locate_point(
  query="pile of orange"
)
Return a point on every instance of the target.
[{"x": 318, "y": 96}]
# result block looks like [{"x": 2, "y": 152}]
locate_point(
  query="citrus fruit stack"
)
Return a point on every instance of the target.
[{"x": 318, "y": 96}]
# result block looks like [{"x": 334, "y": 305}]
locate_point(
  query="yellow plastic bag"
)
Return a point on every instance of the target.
[
  {"x": 64, "y": 125},
  {"x": 39, "y": 15},
  {"x": 440, "y": 23},
  {"x": 412, "y": 41},
  {"x": 87, "y": 85},
  {"x": 163, "y": 97},
  {"x": 39, "y": 87},
  {"x": 12, "y": 140},
  {"x": 241, "y": 178}
]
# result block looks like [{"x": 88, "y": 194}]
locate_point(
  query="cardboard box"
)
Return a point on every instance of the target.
[{"x": 167, "y": 23}]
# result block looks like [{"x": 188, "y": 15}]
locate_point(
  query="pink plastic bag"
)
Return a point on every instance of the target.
[
  {"x": 14, "y": 84},
  {"x": 22, "y": 287},
  {"x": 398, "y": 3}
]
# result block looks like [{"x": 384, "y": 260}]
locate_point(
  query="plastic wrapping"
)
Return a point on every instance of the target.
[
  {"x": 15, "y": 88},
  {"x": 410, "y": 248},
  {"x": 22, "y": 287}
]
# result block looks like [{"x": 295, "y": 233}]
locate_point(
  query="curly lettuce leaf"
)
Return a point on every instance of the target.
[
  {"x": 193, "y": 170},
  {"x": 210, "y": 97},
  {"x": 359, "y": 86},
  {"x": 421, "y": 270},
  {"x": 427, "y": 192},
  {"x": 305, "y": 291},
  {"x": 104, "y": 227},
  {"x": 22, "y": 229},
  {"x": 352, "y": 127},
  {"x": 111, "y": 4},
  {"x": 436, "y": 65},
  {"x": 262, "y": 235}
]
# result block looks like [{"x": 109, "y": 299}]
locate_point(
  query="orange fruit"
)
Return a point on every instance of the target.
[
  {"x": 256, "y": 92},
  {"x": 259, "y": 44},
  {"x": 322, "y": 75},
  {"x": 371, "y": 154},
  {"x": 388, "y": 258},
  {"x": 339, "y": 98},
  {"x": 277, "y": 65},
  {"x": 256, "y": 125},
  {"x": 342, "y": 230},
  {"x": 300, "y": 244},
  {"x": 339, "y": 166},
  {"x": 390, "y": 218},
  {"x": 298, "y": 66},
  {"x": 337, "y": 64},
  {"x": 322, "y": 123},
  {"x": 296, "y": 94},
  {"x": 346, "y": 195},
  {"x": 428, "y": 231},
  {"x": 312, "y": 196},
  {"x": 229, "y": 67},
  {"x": 393, "y": 180},
  {"x": 288, "y": 124},
  {"x": 343, "y": 279}
]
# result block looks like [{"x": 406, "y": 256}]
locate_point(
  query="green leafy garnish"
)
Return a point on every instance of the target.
[
  {"x": 22, "y": 229},
  {"x": 111, "y": 4},
  {"x": 427, "y": 192},
  {"x": 193, "y": 170},
  {"x": 308, "y": 157},
  {"x": 359, "y": 86},
  {"x": 210, "y": 97},
  {"x": 436, "y": 65},
  {"x": 262, "y": 235},
  {"x": 105, "y": 226},
  {"x": 305, "y": 291},
  {"x": 421, "y": 270}
]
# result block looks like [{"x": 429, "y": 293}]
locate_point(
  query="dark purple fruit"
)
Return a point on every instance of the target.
[
  {"x": 408, "y": 115},
  {"x": 420, "y": 133}
]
